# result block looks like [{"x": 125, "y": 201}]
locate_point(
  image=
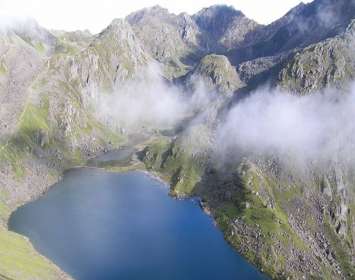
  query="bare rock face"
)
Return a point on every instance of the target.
[
  {"x": 217, "y": 74},
  {"x": 70, "y": 83},
  {"x": 297, "y": 29},
  {"x": 262, "y": 70},
  {"x": 112, "y": 57},
  {"x": 173, "y": 40},
  {"x": 19, "y": 64},
  {"x": 328, "y": 63},
  {"x": 225, "y": 27},
  {"x": 70, "y": 42},
  {"x": 181, "y": 40},
  {"x": 31, "y": 32}
]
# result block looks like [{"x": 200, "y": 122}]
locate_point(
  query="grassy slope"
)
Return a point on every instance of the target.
[
  {"x": 19, "y": 260},
  {"x": 176, "y": 165},
  {"x": 272, "y": 223}
]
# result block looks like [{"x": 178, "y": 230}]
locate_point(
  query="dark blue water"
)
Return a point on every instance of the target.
[{"x": 99, "y": 225}]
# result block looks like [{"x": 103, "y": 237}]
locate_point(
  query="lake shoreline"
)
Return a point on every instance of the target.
[
  {"x": 148, "y": 176},
  {"x": 133, "y": 164}
]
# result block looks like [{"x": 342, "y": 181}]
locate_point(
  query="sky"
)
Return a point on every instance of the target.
[{"x": 95, "y": 15}]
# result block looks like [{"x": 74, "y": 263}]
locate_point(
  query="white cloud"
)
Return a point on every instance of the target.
[{"x": 316, "y": 128}]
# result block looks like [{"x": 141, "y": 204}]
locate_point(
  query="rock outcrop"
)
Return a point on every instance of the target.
[
  {"x": 327, "y": 64},
  {"x": 225, "y": 27},
  {"x": 296, "y": 29},
  {"x": 216, "y": 74}
]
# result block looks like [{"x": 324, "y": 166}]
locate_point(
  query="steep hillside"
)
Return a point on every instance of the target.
[
  {"x": 225, "y": 27},
  {"x": 20, "y": 63},
  {"x": 173, "y": 40},
  {"x": 214, "y": 73},
  {"x": 35, "y": 35},
  {"x": 73, "y": 41},
  {"x": 179, "y": 41},
  {"x": 57, "y": 124},
  {"x": 296, "y": 29},
  {"x": 54, "y": 127},
  {"x": 328, "y": 63}
]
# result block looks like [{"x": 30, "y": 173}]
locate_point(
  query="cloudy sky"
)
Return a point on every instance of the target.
[{"x": 96, "y": 14}]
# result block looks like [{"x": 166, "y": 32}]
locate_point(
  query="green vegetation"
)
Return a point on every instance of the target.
[
  {"x": 40, "y": 48},
  {"x": 107, "y": 135},
  {"x": 19, "y": 260},
  {"x": 168, "y": 158},
  {"x": 4, "y": 209},
  {"x": 218, "y": 72},
  {"x": 175, "y": 68},
  {"x": 9, "y": 153},
  {"x": 3, "y": 68},
  {"x": 341, "y": 254},
  {"x": 256, "y": 207},
  {"x": 32, "y": 126},
  {"x": 33, "y": 119}
]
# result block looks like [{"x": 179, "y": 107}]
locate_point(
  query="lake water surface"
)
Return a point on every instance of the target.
[{"x": 100, "y": 225}]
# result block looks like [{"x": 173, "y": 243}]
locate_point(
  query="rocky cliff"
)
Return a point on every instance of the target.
[{"x": 329, "y": 63}]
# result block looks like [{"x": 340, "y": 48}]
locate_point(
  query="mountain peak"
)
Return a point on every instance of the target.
[
  {"x": 296, "y": 9},
  {"x": 154, "y": 11},
  {"x": 302, "y": 26},
  {"x": 218, "y": 10},
  {"x": 117, "y": 26},
  {"x": 117, "y": 22},
  {"x": 217, "y": 73},
  {"x": 225, "y": 25}
]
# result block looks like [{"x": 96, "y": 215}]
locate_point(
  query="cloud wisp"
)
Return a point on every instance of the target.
[
  {"x": 312, "y": 129},
  {"x": 147, "y": 102}
]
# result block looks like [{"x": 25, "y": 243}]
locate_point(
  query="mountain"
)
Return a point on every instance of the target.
[
  {"x": 179, "y": 41},
  {"x": 224, "y": 26},
  {"x": 296, "y": 29},
  {"x": 35, "y": 35},
  {"x": 174, "y": 40},
  {"x": 20, "y": 62},
  {"x": 48, "y": 123},
  {"x": 216, "y": 73},
  {"x": 325, "y": 64},
  {"x": 291, "y": 222},
  {"x": 73, "y": 40}
]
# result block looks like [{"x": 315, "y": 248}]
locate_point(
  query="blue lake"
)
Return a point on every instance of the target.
[{"x": 100, "y": 225}]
